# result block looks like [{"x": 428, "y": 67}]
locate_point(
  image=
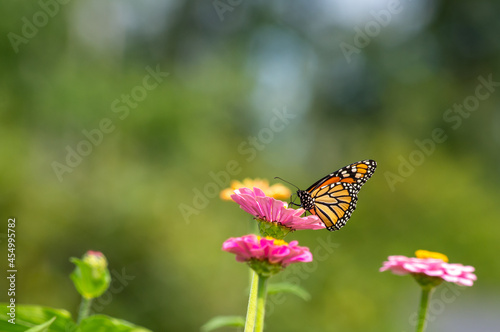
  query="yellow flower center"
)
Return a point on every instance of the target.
[
  {"x": 276, "y": 241},
  {"x": 423, "y": 254}
]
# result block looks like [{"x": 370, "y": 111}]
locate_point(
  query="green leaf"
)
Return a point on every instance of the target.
[
  {"x": 103, "y": 323},
  {"x": 222, "y": 321},
  {"x": 285, "y": 287},
  {"x": 29, "y": 316},
  {"x": 42, "y": 327}
]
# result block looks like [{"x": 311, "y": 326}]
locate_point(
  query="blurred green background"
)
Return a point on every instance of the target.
[{"x": 351, "y": 81}]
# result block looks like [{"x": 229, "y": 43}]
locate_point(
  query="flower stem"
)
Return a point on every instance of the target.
[
  {"x": 252, "y": 302},
  {"x": 261, "y": 304},
  {"x": 424, "y": 304},
  {"x": 84, "y": 309}
]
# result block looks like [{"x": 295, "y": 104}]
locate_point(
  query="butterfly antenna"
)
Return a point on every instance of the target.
[{"x": 277, "y": 177}]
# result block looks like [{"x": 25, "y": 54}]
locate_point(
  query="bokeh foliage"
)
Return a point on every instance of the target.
[{"x": 225, "y": 79}]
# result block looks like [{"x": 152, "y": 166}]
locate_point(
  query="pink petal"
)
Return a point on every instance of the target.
[
  {"x": 267, "y": 208},
  {"x": 470, "y": 276},
  {"x": 434, "y": 273},
  {"x": 465, "y": 282}
]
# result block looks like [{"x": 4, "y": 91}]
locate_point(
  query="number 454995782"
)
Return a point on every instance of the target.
[{"x": 11, "y": 234}]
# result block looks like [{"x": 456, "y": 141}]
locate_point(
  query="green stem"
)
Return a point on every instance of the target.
[
  {"x": 424, "y": 304},
  {"x": 252, "y": 302},
  {"x": 84, "y": 309},
  {"x": 261, "y": 304}
]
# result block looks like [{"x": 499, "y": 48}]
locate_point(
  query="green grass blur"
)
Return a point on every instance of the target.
[{"x": 227, "y": 80}]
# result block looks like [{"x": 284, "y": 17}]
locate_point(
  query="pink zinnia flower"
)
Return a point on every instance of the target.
[
  {"x": 433, "y": 265},
  {"x": 274, "y": 254},
  {"x": 272, "y": 210}
]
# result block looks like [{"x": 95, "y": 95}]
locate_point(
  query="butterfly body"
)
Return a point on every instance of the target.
[{"x": 333, "y": 198}]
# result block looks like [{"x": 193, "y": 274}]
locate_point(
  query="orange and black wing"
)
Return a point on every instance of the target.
[
  {"x": 334, "y": 197},
  {"x": 357, "y": 173}
]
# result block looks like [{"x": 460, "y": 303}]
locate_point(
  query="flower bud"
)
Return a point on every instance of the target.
[{"x": 91, "y": 275}]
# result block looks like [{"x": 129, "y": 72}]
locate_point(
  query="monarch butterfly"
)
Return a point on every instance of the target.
[{"x": 333, "y": 198}]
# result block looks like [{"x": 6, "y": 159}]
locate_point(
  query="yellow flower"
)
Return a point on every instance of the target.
[
  {"x": 423, "y": 254},
  {"x": 277, "y": 191}
]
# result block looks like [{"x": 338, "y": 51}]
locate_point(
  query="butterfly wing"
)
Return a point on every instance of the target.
[
  {"x": 334, "y": 203},
  {"x": 356, "y": 173},
  {"x": 334, "y": 197}
]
